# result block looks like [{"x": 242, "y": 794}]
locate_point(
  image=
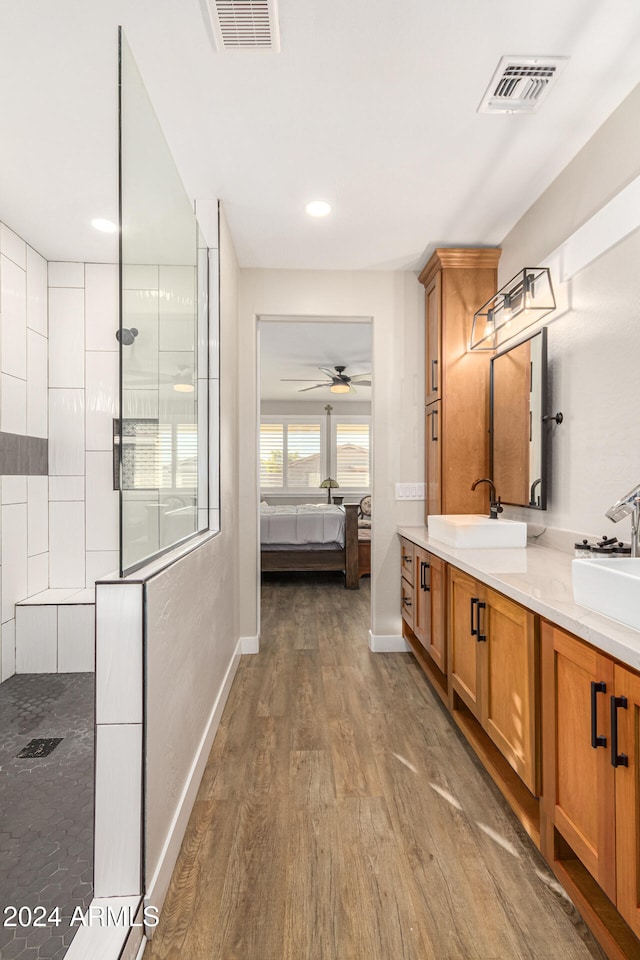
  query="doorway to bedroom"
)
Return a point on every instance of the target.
[{"x": 315, "y": 454}]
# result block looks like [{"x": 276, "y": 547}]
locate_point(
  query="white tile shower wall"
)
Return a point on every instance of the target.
[
  {"x": 66, "y": 337},
  {"x": 37, "y": 515},
  {"x": 23, "y": 410},
  {"x": 13, "y": 405},
  {"x": 66, "y": 543},
  {"x": 66, "y": 432},
  {"x": 83, "y": 365},
  {"x": 13, "y": 247},
  {"x": 14, "y": 558},
  {"x": 101, "y": 503},
  {"x": 13, "y": 336},
  {"x": 8, "y": 663},
  {"x": 37, "y": 293},
  {"x": 37, "y": 393},
  {"x": 102, "y": 371},
  {"x": 101, "y": 306}
]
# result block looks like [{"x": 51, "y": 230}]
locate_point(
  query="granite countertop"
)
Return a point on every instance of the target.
[{"x": 538, "y": 577}]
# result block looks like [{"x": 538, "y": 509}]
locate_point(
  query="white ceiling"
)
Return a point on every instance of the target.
[
  {"x": 371, "y": 106},
  {"x": 292, "y": 349}
]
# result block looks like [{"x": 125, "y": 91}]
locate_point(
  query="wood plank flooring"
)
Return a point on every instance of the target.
[{"x": 341, "y": 816}]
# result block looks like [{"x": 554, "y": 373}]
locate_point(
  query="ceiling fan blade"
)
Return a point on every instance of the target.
[
  {"x": 352, "y": 389},
  {"x": 363, "y": 383},
  {"x": 291, "y": 380},
  {"x": 317, "y": 387},
  {"x": 359, "y": 376},
  {"x": 330, "y": 373}
]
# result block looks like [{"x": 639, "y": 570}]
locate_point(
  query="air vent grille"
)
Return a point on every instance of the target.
[
  {"x": 245, "y": 24},
  {"x": 520, "y": 84}
]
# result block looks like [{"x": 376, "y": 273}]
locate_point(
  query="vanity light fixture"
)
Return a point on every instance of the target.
[
  {"x": 525, "y": 299},
  {"x": 318, "y": 208},
  {"x": 105, "y": 226}
]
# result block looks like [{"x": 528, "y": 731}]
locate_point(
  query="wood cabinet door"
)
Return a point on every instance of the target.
[
  {"x": 627, "y": 786},
  {"x": 438, "y": 637},
  {"x": 578, "y": 776},
  {"x": 509, "y": 684},
  {"x": 433, "y": 459},
  {"x": 464, "y": 595},
  {"x": 433, "y": 339},
  {"x": 422, "y": 597}
]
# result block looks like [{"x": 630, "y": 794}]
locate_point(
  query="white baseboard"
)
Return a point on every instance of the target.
[
  {"x": 393, "y": 644},
  {"x": 159, "y": 884},
  {"x": 250, "y": 644}
]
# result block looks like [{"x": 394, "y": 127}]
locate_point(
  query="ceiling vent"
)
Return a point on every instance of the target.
[
  {"x": 245, "y": 24},
  {"x": 520, "y": 84}
]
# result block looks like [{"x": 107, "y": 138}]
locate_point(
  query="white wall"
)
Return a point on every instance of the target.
[
  {"x": 395, "y": 302},
  {"x": 192, "y": 630},
  {"x": 594, "y": 344},
  {"x": 24, "y": 544}
]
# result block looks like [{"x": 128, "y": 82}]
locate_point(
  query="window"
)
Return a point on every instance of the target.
[
  {"x": 291, "y": 454},
  {"x": 294, "y": 457}
]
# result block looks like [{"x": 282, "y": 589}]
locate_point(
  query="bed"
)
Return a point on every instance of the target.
[{"x": 310, "y": 537}]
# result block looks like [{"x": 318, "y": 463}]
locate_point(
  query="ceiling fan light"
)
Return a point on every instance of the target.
[{"x": 339, "y": 388}]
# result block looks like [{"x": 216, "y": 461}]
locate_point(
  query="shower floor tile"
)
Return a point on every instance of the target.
[{"x": 46, "y": 810}]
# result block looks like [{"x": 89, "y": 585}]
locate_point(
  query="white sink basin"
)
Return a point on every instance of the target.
[
  {"x": 610, "y": 587},
  {"x": 470, "y": 530}
]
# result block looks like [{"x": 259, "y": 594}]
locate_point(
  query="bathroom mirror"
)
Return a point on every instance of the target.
[{"x": 518, "y": 433}]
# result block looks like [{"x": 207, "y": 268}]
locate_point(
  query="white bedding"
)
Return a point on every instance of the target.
[{"x": 302, "y": 524}]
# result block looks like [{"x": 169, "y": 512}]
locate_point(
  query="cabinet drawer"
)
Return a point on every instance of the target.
[
  {"x": 407, "y": 556},
  {"x": 407, "y": 602}
]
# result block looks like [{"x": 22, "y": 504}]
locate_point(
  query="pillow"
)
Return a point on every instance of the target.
[{"x": 364, "y": 508}]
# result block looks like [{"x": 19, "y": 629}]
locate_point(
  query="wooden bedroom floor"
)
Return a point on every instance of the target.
[{"x": 342, "y": 817}]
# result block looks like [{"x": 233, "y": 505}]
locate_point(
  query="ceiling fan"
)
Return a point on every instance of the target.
[{"x": 338, "y": 382}]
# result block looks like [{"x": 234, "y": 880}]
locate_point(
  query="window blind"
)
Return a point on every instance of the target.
[
  {"x": 352, "y": 455},
  {"x": 304, "y": 463},
  {"x": 271, "y": 455}
]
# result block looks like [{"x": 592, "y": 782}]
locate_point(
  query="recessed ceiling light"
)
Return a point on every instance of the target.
[
  {"x": 318, "y": 208},
  {"x": 105, "y": 225}
]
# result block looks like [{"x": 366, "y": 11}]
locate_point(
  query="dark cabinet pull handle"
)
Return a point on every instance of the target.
[
  {"x": 474, "y": 632},
  {"x": 434, "y": 434},
  {"x": 434, "y": 377},
  {"x": 422, "y": 574},
  {"x": 407, "y": 601},
  {"x": 424, "y": 566},
  {"x": 597, "y": 740},
  {"x": 617, "y": 759},
  {"x": 407, "y": 558},
  {"x": 481, "y": 606}
]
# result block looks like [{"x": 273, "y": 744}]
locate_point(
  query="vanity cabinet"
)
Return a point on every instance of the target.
[
  {"x": 457, "y": 282},
  {"x": 493, "y": 668},
  {"x": 591, "y": 742}
]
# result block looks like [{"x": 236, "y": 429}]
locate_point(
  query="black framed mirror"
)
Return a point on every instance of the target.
[{"x": 518, "y": 431}]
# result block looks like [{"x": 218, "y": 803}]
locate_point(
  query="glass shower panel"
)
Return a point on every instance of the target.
[{"x": 163, "y": 404}]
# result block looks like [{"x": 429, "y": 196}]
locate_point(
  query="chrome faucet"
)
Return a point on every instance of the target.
[
  {"x": 629, "y": 504},
  {"x": 495, "y": 506}
]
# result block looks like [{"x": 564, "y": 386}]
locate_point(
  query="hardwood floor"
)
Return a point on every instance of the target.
[{"x": 342, "y": 817}]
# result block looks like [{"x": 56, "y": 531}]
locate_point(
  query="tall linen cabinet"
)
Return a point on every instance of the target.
[{"x": 457, "y": 282}]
